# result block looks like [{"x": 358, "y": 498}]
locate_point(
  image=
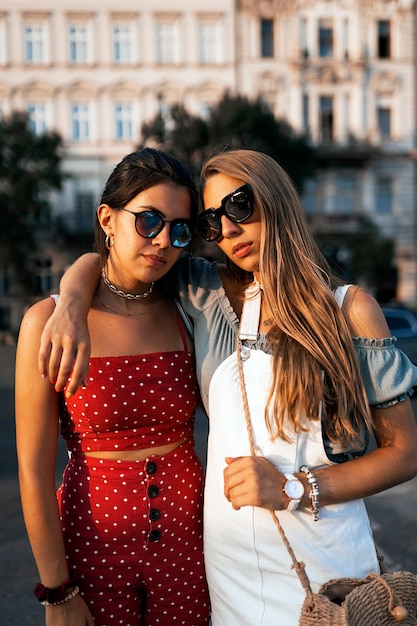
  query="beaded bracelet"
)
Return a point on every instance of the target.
[
  {"x": 70, "y": 596},
  {"x": 57, "y": 595},
  {"x": 314, "y": 493}
]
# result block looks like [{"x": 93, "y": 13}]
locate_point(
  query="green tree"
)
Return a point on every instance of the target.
[
  {"x": 234, "y": 122},
  {"x": 29, "y": 170}
]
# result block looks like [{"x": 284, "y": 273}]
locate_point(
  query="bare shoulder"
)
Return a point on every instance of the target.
[
  {"x": 364, "y": 315},
  {"x": 28, "y": 343},
  {"x": 36, "y": 316}
]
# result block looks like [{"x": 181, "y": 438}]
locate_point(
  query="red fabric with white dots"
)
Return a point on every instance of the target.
[
  {"x": 133, "y": 534},
  {"x": 132, "y": 402}
]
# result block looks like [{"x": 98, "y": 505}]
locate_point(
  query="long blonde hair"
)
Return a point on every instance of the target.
[{"x": 315, "y": 369}]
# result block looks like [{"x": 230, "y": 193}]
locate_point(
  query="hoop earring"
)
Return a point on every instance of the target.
[{"x": 108, "y": 241}]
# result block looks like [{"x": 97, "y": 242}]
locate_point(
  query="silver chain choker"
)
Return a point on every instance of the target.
[{"x": 123, "y": 294}]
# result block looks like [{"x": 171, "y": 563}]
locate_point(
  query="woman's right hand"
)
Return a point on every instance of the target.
[
  {"x": 72, "y": 613},
  {"x": 65, "y": 342},
  {"x": 65, "y": 348}
]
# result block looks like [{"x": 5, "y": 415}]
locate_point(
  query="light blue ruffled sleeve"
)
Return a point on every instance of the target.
[
  {"x": 388, "y": 374},
  {"x": 198, "y": 285}
]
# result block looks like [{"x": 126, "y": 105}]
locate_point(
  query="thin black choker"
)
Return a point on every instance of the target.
[{"x": 123, "y": 294}]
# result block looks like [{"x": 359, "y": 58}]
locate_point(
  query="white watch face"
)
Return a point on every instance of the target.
[{"x": 294, "y": 489}]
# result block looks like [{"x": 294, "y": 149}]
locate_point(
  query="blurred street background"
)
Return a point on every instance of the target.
[
  {"x": 327, "y": 88},
  {"x": 393, "y": 515}
]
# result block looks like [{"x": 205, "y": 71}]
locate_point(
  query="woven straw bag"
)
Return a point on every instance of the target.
[
  {"x": 385, "y": 599},
  {"x": 377, "y": 600}
]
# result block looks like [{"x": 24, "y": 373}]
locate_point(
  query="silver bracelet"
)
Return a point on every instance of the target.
[{"x": 314, "y": 493}]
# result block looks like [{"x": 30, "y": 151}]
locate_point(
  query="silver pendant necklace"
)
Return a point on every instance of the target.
[{"x": 124, "y": 294}]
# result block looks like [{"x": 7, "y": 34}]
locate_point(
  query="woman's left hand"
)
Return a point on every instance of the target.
[{"x": 253, "y": 481}]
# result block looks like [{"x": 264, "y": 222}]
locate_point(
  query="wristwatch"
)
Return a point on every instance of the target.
[{"x": 294, "y": 489}]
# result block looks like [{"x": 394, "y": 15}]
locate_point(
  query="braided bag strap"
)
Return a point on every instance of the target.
[{"x": 298, "y": 565}]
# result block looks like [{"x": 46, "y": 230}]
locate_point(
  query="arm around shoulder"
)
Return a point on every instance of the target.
[
  {"x": 65, "y": 342},
  {"x": 79, "y": 282}
]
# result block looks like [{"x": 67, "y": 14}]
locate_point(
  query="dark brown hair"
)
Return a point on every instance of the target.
[{"x": 136, "y": 172}]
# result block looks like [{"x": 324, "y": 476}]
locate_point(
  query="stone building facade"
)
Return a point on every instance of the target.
[{"x": 342, "y": 70}]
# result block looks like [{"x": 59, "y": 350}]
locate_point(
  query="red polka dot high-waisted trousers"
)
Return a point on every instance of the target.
[{"x": 133, "y": 535}]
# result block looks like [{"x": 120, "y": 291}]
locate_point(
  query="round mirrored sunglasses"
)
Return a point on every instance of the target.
[{"x": 149, "y": 224}]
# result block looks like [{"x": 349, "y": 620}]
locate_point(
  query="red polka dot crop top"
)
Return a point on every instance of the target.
[{"x": 132, "y": 402}]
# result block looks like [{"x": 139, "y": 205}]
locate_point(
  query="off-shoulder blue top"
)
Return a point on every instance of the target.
[{"x": 388, "y": 374}]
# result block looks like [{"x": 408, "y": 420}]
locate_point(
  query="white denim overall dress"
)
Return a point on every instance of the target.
[{"x": 248, "y": 568}]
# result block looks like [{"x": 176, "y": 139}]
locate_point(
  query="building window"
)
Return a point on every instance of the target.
[
  {"x": 209, "y": 43},
  {"x": 123, "y": 121},
  {"x": 306, "y": 113},
  {"x": 267, "y": 38},
  {"x": 79, "y": 43},
  {"x": 309, "y": 197},
  {"x": 325, "y": 38},
  {"x": 41, "y": 275},
  {"x": 326, "y": 119},
  {"x": 35, "y": 43},
  {"x": 383, "y": 195},
  {"x": 122, "y": 35},
  {"x": 303, "y": 38},
  {"x": 166, "y": 41},
  {"x": 80, "y": 122},
  {"x": 2, "y": 42},
  {"x": 384, "y": 39},
  {"x": 345, "y": 38},
  {"x": 37, "y": 118},
  {"x": 79, "y": 220},
  {"x": 84, "y": 212},
  {"x": 346, "y": 116},
  {"x": 345, "y": 199},
  {"x": 384, "y": 122}
]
